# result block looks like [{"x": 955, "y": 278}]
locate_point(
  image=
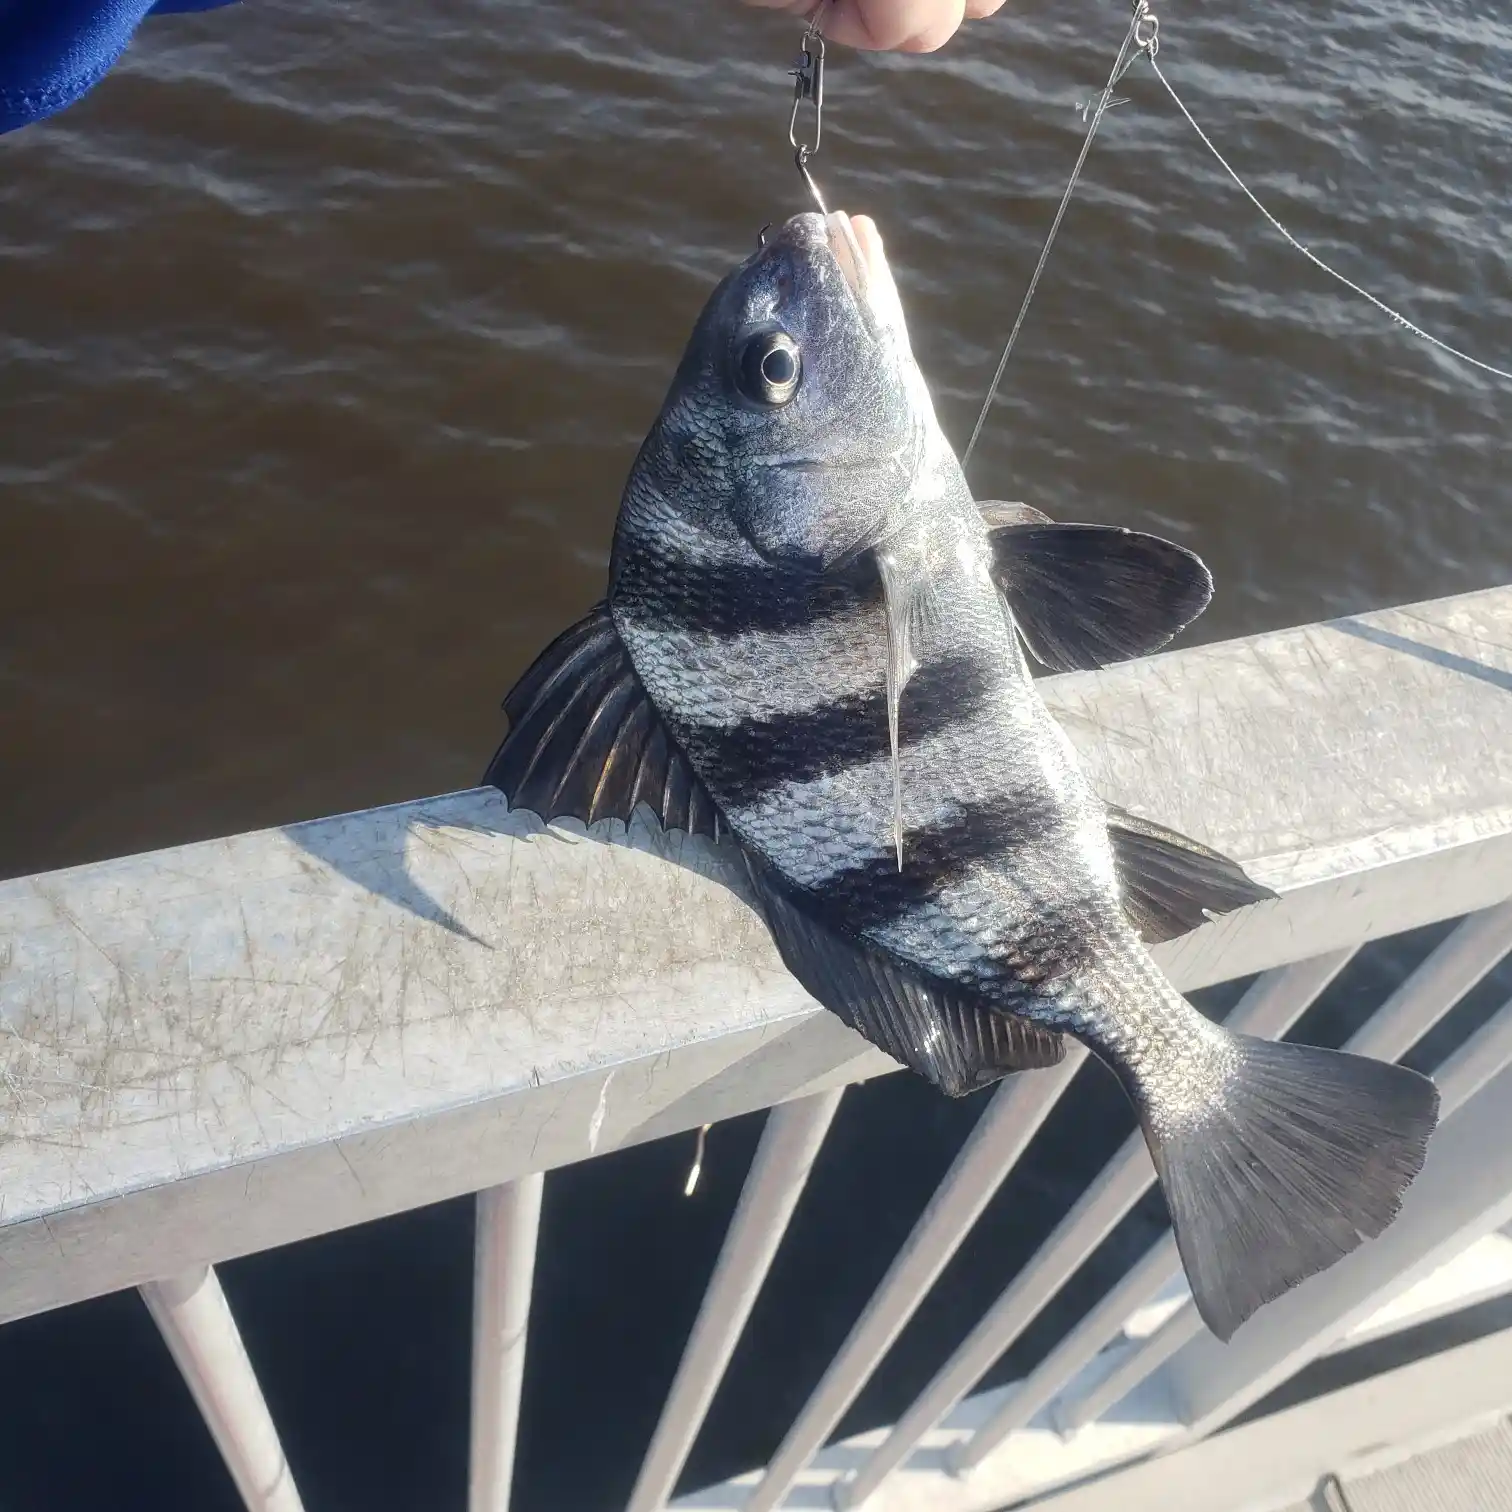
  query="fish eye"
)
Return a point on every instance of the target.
[{"x": 769, "y": 368}]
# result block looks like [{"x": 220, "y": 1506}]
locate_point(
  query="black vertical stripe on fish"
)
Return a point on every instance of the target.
[
  {"x": 943, "y": 1033},
  {"x": 1170, "y": 884},
  {"x": 873, "y": 894},
  {"x": 758, "y": 754},
  {"x": 1084, "y": 596},
  {"x": 731, "y": 599}
]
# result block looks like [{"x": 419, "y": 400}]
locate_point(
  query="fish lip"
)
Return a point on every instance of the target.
[
  {"x": 814, "y": 234},
  {"x": 805, "y": 230},
  {"x": 848, "y": 253},
  {"x": 851, "y": 259}
]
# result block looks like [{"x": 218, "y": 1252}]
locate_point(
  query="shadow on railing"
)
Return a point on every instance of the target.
[{"x": 299, "y": 1030}]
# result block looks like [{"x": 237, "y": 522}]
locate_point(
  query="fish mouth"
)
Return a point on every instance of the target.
[
  {"x": 856, "y": 245},
  {"x": 851, "y": 242},
  {"x": 854, "y": 248}
]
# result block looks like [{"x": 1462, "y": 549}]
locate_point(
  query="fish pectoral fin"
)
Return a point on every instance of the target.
[
  {"x": 586, "y": 742},
  {"x": 1170, "y": 884},
  {"x": 948, "y": 1037},
  {"x": 1088, "y": 595},
  {"x": 1300, "y": 1156}
]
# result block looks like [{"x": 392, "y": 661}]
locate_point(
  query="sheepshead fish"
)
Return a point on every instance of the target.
[{"x": 814, "y": 640}]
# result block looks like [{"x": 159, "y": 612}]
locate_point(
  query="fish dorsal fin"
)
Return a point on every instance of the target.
[
  {"x": 586, "y": 742},
  {"x": 1088, "y": 595},
  {"x": 950, "y": 1038},
  {"x": 1170, "y": 884}
]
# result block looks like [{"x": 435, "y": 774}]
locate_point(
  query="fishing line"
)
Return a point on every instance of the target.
[
  {"x": 1141, "y": 33},
  {"x": 1144, "y": 36},
  {"x": 1311, "y": 256}
]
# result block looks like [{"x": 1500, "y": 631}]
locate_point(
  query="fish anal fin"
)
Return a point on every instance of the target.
[
  {"x": 585, "y": 741},
  {"x": 948, "y": 1037},
  {"x": 1170, "y": 884},
  {"x": 1085, "y": 596}
]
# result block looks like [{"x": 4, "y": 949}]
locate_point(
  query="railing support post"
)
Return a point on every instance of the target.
[
  {"x": 790, "y": 1144},
  {"x": 195, "y": 1321},
  {"x": 504, "y": 1251}
]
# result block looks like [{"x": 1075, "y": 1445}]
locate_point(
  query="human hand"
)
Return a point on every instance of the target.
[{"x": 889, "y": 25}]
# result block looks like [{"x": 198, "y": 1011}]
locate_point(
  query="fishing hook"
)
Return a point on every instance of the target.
[{"x": 808, "y": 87}]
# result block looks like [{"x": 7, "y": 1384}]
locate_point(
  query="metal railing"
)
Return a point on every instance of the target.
[{"x": 229, "y": 1046}]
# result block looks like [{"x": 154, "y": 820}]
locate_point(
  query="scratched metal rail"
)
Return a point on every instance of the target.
[{"x": 227, "y": 1047}]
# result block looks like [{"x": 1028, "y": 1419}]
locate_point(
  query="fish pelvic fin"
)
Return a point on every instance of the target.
[
  {"x": 908, "y": 604},
  {"x": 586, "y": 742},
  {"x": 945, "y": 1034},
  {"x": 1290, "y": 1158}
]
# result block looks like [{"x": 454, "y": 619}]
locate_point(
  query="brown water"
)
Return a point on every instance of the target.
[
  {"x": 327, "y": 336},
  {"x": 328, "y": 332}
]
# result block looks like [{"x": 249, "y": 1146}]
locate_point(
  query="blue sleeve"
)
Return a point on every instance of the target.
[{"x": 54, "y": 51}]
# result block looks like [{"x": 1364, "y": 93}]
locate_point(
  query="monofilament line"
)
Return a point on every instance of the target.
[
  {"x": 1311, "y": 256},
  {"x": 1119, "y": 66}
]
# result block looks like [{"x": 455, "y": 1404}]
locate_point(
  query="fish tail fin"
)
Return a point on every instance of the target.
[{"x": 1295, "y": 1158}]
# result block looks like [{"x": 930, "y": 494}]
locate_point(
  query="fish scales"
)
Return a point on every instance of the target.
[
  {"x": 996, "y": 885},
  {"x": 814, "y": 638}
]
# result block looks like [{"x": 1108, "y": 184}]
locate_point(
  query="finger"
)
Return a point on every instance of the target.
[
  {"x": 979, "y": 10},
  {"x": 893, "y": 25},
  {"x": 943, "y": 22}
]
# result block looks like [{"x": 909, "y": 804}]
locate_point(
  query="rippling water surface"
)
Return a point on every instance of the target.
[
  {"x": 327, "y": 336},
  {"x": 328, "y": 332}
]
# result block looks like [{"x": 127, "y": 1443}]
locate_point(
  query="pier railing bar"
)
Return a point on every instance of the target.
[
  {"x": 1278, "y": 1460},
  {"x": 1456, "y": 965},
  {"x": 1001, "y": 1134},
  {"x": 1476, "y": 1063},
  {"x": 230, "y": 1034},
  {"x": 1270, "y": 1006},
  {"x": 195, "y": 1320},
  {"x": 1464, "y": 1192},
  {"x": 1142, "y": 1359},
  {"x": 1074, "y": 1353},
  {"x": 507, "y": 1226},
  {"x": 789, "y": 1145},
  {"x": 261, "y": 994}
]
